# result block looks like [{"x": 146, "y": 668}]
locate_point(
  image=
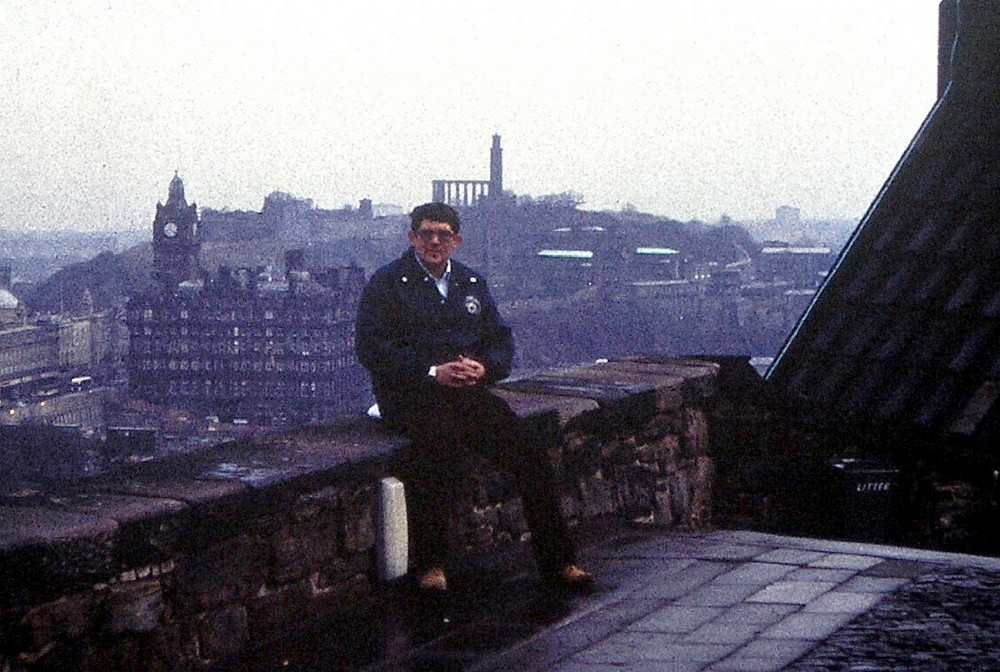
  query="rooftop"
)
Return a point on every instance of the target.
[{"x": 903, "y": 333}]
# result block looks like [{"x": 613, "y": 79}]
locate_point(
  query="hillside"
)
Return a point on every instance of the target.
[
  {"x": 515, "y": 233},
  {"x": 109, "y": 278}
]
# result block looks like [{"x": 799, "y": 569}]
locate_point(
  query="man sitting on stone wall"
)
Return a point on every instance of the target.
[{"x": 429, "y": 333}]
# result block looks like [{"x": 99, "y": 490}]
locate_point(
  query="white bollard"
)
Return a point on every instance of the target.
[{"x": 391, "y": 540}]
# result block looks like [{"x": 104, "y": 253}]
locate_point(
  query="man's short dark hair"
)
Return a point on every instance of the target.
[{"x": 435, "y": 212}]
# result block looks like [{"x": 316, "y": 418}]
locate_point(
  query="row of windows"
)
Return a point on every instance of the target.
[
  {"x": 245, "y": 365},
  {"x": 245, "y": 332},
  {"x": 240, "y": 347},
  {"x": 13, "y": 361},
  {"x": 252, "y": 388},
  {"x": 304, "y": 315}
]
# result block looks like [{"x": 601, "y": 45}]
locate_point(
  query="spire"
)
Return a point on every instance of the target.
[{"x": 176, "y": 193}]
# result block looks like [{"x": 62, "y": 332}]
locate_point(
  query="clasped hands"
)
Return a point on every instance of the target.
[{"x": 461, "y": 372}]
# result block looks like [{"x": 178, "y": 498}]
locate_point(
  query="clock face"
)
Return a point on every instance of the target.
[{"x": 170, "y": 229}]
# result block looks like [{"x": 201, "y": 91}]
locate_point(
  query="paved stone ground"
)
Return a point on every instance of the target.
[
  {"x": 716, "y": 602},
  {"x": 942, "y": 622}
]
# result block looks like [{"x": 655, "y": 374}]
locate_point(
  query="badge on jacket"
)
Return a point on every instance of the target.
[{"x": 472, "y": 305}]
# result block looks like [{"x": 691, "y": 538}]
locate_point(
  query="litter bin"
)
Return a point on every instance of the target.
[{"x": 864, "y": 493}]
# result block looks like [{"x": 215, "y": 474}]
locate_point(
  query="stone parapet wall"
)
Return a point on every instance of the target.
[{"x": 187, "y": 563}]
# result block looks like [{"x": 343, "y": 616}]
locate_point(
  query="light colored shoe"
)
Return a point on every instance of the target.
[
  {"x": 433, "y": 579},
  {"x": 572, "y": 577}
]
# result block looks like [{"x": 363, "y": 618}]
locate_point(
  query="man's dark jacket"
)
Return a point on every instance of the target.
[{"x": 405, "y": 326}]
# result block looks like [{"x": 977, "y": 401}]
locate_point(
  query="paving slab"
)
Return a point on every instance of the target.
[
  {"x": 790, "y": 556},
  {"x": 716, "y": 594},
  {"x": 874, "y": 584},
  {"x": 729, "y": 551},
  {"x": 741, "y": 664},
  {"x": 683, "y": 582},
  {"x": 792, "y": 592},
  {"x": 774, "y": 649},
  {"x": 642, "y": 666},
  {"x": 723, "y": 633},
  {"x": 756, "y": 573},
  {"x": 813, "y": 627},
  {"x": 843, "y": 561},
  {"x": 633, "y": 574},
  {"x": 821, "y": 574},
  {"x": 837, "y": 601},
  {"x": 628, "y": 648},
  {"x": 677, "y": 619},
  {"x": 757, "y": 614}
]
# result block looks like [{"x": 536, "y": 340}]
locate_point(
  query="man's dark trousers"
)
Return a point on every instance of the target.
[{"x": 445, "y": 426}]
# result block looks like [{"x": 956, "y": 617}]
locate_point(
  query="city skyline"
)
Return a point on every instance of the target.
[{"x": 686, "y": 110}]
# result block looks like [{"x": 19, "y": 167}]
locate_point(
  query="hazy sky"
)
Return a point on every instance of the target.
[{"x": 687, "y": 109}]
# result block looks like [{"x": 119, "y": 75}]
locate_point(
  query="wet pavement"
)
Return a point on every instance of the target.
[{"x": 724, "y": 601}]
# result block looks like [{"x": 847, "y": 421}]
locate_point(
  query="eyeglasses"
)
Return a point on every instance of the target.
[{"x": 427, "y": 235}]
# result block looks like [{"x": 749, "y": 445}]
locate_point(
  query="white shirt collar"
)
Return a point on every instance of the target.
[{"x": 442, "y": 283}]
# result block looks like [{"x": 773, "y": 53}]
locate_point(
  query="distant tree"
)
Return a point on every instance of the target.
[{"x": 566, "y": 199}]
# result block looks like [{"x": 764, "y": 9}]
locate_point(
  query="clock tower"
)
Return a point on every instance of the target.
[{"x": 176, "y": 242}]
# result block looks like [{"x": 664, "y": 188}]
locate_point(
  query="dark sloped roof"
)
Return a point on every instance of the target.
[{"x": 906, "y": 331}]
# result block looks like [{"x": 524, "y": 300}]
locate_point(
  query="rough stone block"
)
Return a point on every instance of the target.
[
  {"x": 680, "y": 491},
  {"x": 271, "y": 610},
  {"x": 695, "y": 436},
  {"x": 664, "y": 423},
  {"x": 68, "y": 617},
  {"x": 223, "y": 633},
  {"x": 700, "y": 511},
  {"x": 664, "y": 514},
  {"x": 299, "y": 549},
  {"x": 597, "y": 496},
  {"x": 665, "y": 384},
  {"x": 318, "y": 506},
  {"x": 229, "y": 572},
  {"x": 358, "y": 511},
  {"x": 667, "y": 450},
  {"x": 134, "y": 607},
  {"x": 512, "y": 519},
  {"x": 581, "y": 456},
  {"x": 566, "y": 408}
]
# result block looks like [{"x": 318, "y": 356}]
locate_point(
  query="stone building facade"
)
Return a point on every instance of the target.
[
  {"x": 238, "y": 344},
  {"x": 26, "y": 353},
  {"x": 244, "y": 347},
  {"x": 42, "y": 370}
]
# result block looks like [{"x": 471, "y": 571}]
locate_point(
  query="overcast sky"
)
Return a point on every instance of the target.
[{"x": 688, "y": 109}]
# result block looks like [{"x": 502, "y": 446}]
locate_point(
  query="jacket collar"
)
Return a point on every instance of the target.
[{"x": 413, "y": 268}]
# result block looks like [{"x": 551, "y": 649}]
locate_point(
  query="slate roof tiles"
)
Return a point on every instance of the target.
[{"x": 906, "y": 329}]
